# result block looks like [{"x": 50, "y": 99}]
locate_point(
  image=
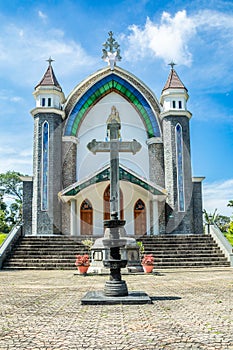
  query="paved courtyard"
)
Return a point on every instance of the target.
[{"x": 192, "y": 309}]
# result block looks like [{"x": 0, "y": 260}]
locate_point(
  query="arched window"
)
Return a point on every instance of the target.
[
  {"x": 139, "y": 218},
  {"x": 107, "y": 204},
  {"x": 180, "y": 170},
  {"x": 45, "y": 166},
  {"x": 86, "y": 217}
]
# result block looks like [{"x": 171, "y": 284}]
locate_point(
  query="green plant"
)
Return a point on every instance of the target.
[
  {"x": 82, "y": 260},
  {"x": 230, "y": 229},
  {"x": 209, "y": 218},
  {"x": 2, "y": 237},
  {"x": 141, "y": 248},
  {"x": 229, "y": 237},
  {"x": 88, "y": 243},
  {"x": 148, "y": 260}
]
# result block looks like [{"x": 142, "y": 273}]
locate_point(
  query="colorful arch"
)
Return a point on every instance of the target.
[{"x": 106, "y": 85}]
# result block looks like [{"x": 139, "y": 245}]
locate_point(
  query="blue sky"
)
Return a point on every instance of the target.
[{"x": 197, "y": 35}]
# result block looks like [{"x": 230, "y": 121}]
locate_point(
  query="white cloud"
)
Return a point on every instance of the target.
[
  {"x": 42, "y": 15},
  {"x": 32, "y": 46},
  {"x": 179, "y": 37},
  {"x": 167, "y": 40},
  {"x": 217, "y": 195}
]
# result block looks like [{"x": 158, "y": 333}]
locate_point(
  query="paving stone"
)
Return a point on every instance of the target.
[{"x": 192, "y": 309}]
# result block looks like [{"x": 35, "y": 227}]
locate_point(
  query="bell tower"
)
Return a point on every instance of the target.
[
  {"x": 47, "y": 154},
  {"x": 177, "y": 162}
]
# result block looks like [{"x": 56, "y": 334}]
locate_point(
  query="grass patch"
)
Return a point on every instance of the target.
[
  {"x": 229, "y": 236},
  {"x": 2, "y": 237}
]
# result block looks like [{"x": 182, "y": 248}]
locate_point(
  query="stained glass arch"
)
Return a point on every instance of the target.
[
  {"x": 180, "y": 169},
  {"x": 45, "y": 166}
]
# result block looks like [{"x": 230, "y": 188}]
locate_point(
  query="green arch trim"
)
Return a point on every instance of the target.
[{"x": 106, "y": 85}]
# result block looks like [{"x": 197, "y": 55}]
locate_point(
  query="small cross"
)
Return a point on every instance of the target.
[
  {"x": 172, "y": 64},
  {"x": 50, "y": 60}
]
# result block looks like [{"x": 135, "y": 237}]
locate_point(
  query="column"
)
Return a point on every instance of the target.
[
  {"x": 155, "y": 217},
  {"x": 73, "y": 217}
]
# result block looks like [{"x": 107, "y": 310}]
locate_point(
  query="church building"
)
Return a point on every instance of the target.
[{"x": 69, "y": 192}]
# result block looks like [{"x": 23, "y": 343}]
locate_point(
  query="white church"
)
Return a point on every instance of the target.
[{"x": 69, "y": 191}]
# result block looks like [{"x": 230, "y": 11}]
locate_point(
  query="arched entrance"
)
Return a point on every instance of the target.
[
  {"x": 107, "y": 204},
  {"x": 139, "y": 218},
  {"x": 86, "y": 217}
]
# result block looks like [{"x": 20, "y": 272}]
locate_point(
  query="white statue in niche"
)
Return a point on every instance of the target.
[{"x": 113, "y": 117}]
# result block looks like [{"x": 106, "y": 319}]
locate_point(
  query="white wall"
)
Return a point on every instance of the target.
[
  {"x": 94, "y": 193},
  {"x": 94, "y": 127}
]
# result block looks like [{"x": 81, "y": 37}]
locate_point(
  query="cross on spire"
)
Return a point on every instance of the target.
[
  {"x": 172, "y": 64},
  {"x": 50, "y": 60},
  {"x": 111, "y": 51}
]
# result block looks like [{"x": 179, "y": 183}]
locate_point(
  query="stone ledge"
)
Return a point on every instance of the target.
[{"x": 99, "y": 298}]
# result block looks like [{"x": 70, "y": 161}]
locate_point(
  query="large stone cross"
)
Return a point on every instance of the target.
[{"x": 114, "y": 146}]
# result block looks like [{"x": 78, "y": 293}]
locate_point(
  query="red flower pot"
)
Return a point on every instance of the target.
[
  {"x": 148, "y": 268},
  {"x": 83, "y": 269}
]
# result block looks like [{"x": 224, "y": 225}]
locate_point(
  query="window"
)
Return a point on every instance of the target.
[
  {"x": 45, "y": 166},
  {"x": 43, "y": 102},
  {"x": 49, "y": 102},
  {"x": 173, "y": 104},
  {"x": 179, "y": 164},
  {"x": 180, "y": 104}
]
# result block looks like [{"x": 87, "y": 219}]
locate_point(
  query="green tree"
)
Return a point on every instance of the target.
[
  {"x": 230, "y": 204},
  {"x": 4, "y": 228},
  {"x": 223, "y": 222},
  {"x": 11, "y": 186}
]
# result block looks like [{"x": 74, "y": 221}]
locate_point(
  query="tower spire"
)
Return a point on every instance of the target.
[{"x": 49, "y": 78}]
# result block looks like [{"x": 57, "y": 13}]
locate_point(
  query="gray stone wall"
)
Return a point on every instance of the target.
[
  {"x": 47, "y": 222},
  {"x": 69, "y": 156},
  {"x": 156, "y": 173},
  {"x": 156, "y": 161},
  {"x": 197, "y": 207},
  {"x": 27, "y": 207},
  {"x": 177, "y": 222}
]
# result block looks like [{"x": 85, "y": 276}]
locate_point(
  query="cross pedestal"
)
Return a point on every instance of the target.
[
  {"x": 114, "y": 233},
  {"x": 115, "y": 290}
]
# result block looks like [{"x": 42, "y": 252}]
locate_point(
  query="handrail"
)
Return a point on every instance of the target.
[
  {"x": 11, "y": 238},
  {"x": 222, "y": 242}
]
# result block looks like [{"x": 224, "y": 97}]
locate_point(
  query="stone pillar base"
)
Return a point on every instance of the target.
[{"x": 115, "y": 289}]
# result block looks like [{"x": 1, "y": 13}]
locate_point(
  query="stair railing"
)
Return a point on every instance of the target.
[
  {"x": 222, "y": 242},
  {"x": 11, "y": 239}
]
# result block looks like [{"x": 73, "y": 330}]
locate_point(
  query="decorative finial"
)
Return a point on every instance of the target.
[
  {"x": 50, "y": 60},
  {"x": 111, "y": 51},
  {"x": 172, "y": 64}
]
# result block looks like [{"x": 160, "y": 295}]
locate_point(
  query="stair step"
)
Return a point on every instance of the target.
[{"x": 58, "y": 252}]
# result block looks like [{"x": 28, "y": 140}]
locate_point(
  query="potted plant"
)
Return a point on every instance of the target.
[
  {"x": 148, "y": 263},
  {"x": 82, "y": 262}
]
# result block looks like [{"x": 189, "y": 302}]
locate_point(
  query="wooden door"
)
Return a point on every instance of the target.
[
  {"x": 139, "y": 218},
  {"x": 86, "y": 216},
  {"x": 107, "y": 204}
]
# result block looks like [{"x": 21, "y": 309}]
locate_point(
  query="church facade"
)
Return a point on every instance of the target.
[{"x": 69, "y": 192}]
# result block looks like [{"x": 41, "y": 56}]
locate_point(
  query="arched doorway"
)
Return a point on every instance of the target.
[
  {"x": 86, "y": 216},
  {"x": 139, "y": 218},
  {"x": 107, "y": 204}
]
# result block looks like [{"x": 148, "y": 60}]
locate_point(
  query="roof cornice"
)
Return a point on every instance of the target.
[{"x": 48, "y": 110}]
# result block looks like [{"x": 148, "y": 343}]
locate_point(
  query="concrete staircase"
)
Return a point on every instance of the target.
[
  {"x": 45, "y": 253},
  {"x": 174, "y": 251},
  {"x": 58, "y": 252}
]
